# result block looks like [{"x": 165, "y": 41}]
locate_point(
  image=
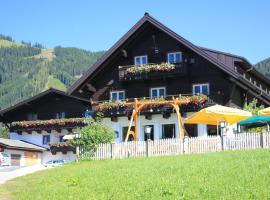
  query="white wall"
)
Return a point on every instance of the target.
[
  {"x": 157, "y": 120},
  {"x": 37, "y": 138},
  {"x": 47, "y": 156},
  {"x": 202, "y": 130},
  {"x": 21, "y": 152}
]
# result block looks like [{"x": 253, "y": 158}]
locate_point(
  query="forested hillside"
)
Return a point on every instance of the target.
[
  {"x": 264, "y": 67},
  {"x": 27, "y": 69}
]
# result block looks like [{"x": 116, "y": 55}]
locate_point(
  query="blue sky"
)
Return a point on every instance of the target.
[{"x": 236, "y": 26}]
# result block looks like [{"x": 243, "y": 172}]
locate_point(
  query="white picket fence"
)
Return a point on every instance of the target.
[{"x": 186, "y": 145}]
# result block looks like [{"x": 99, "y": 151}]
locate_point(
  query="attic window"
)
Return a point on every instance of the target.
[
  {"x": 140, "y": 60},
  {"x": 32, "y": 117},
  {"x": 174, "y": 57}
]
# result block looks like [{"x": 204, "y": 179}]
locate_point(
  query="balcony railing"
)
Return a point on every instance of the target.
[
  {"x": 151, "y": 71},
  {"x": 125, "y": 107}
]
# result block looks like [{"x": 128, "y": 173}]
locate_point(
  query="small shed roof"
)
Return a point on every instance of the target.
[{"x": 17, "y": 144}]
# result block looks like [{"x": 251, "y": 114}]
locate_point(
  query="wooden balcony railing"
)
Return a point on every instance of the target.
[{"x": 151, "y": 71}]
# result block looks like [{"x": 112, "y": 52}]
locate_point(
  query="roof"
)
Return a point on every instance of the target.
[
  {"x": 203, "y": 52},
  {"x": 235, "y": 58},
  {"x": 154, "y": 22},
  {"x": 38, "y": 96},
  {"x": 17, "y": 144}
]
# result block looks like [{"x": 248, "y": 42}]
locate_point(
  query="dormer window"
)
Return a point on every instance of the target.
[
  {"x": 140, "y": 60},
  {"x": 174, "y": 57},
  {"x": 117, "y": 95}
]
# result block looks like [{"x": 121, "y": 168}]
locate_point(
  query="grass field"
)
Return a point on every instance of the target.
[{"x": 225, "y": 175}]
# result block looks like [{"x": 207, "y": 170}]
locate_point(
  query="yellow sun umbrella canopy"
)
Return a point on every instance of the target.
[
  {"x": 214, "y": 114},
  {"x": 264, "y": 112}
]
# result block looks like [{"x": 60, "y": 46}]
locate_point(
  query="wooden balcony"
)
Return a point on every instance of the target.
[{"x": 151, "y": 71}]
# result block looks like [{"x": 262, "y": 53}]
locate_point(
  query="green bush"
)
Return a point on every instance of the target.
[{"x": 91, "y": 136}]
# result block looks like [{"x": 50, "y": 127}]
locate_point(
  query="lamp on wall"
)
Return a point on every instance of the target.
[
  {"x": 147, "y": 130},
  {"x": 222, "y": 125}
]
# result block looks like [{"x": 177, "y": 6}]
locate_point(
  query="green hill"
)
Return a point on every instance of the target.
[
  {"x": 264, "y": 67},
  {"x": 27, "y": 69}
]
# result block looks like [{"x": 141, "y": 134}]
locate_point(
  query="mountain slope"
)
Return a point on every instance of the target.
[
  {"x": 264, "y": 67},
  {"x": 26, "y": 69}
]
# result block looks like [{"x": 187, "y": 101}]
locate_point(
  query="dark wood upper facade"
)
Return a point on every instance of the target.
[
  {"x": 231, "y": 80},
  {"x": 50, "y": 104}
]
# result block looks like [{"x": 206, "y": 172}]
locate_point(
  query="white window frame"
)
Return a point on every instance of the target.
[
  {"x": 174, "y": 53},
  {"x": 117, "y": 92},
  {"x": 157, "y": 88},
  {"x": 141, "y": 57},
  {"x": 201, "y": 85}
]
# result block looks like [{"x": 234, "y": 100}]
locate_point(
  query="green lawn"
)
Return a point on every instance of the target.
[{"x": 225, "y": 175}]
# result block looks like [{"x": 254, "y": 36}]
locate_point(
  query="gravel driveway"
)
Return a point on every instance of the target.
[{"x": 8, "y": 173}]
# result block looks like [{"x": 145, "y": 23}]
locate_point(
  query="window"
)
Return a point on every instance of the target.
[
  {"x": 61, "y": 139},
  {"x": 140, "y": 60},
  {"x": 158, "y": 92},
  {"x": 117, "y": 95},
  {"x": 32, "y": 117},
  {"x": 46, "y": 139},
  {"x": 60, "y": 115},
  {"x": 201, "y": 89},
  {"x": 168, "y": 131},
  {"x": 175, "y": 57}
]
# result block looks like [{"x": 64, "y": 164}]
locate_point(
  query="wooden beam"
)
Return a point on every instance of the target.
[{"x": 90, "y": 87}]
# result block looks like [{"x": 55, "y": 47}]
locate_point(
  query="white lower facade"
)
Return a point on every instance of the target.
[
  {"x": 37, "y": 139},
  {"x": 162, "y": 127}
]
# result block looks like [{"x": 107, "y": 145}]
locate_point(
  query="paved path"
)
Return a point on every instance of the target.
[{"x": 8, "y": 173}]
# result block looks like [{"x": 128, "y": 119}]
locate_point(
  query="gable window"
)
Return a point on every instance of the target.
[
  {"x": 117, "y": 95},
  {"x": 140, "y": 60},
  {"x": 200, "y": 89},
  {"x": 174, "y": 57},
  {"x": 32, "y": 117},
  {"x": 46, "y": 139},
  {"x": 60, "y": 115},
  {"x": 158, "y": 92}
]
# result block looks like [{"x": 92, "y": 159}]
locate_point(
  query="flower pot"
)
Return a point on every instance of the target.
[
  {"x": 53, "y": 150},
  {"x": 64, "y": 150}
]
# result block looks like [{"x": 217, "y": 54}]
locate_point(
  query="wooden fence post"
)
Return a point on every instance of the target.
[
  {"x": 261, "y": 140},
  {"x": 183, "y": 145},
  {"x": 222, "y": 142},
  {"x": 147, "y": 147},
  {"x": 112, "y": 149}
]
